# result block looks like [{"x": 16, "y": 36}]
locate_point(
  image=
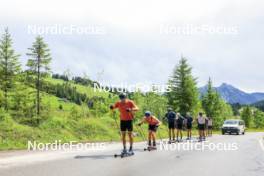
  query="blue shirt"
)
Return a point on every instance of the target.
[{"x": 171, "y": 116}]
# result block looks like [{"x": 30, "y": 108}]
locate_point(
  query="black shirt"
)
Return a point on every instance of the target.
[{"x": 189, "y": 120}]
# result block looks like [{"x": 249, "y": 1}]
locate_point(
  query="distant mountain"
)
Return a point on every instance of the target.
[{"x": 233, "y": 95}]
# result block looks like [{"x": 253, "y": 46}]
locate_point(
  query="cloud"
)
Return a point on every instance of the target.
[{"x": 133, "y": 49}]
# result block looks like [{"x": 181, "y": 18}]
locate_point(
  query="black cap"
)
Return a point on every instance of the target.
[{"x": 122, "y": 96}]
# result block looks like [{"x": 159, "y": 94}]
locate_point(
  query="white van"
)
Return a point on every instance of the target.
[{"x": 233, "y": 126}]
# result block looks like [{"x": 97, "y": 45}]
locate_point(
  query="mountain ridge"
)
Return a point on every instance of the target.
[{"x": 234, "y": 95}]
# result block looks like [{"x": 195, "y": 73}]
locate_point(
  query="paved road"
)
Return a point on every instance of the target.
[{"x": 247, "y": 160}]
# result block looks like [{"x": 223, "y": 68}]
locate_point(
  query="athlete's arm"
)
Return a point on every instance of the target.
[
  {"x": 159, "y": 122},
  {"x": 142, "y": 121},
  {"x": 134, "y": 107},
  {"x": 116, "y": 105},
  {"x": 165, "y": 117}
]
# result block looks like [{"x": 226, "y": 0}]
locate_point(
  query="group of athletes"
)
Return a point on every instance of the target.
[{"x": 176, "y": 123}]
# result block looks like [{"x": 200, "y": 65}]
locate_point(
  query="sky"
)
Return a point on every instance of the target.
[{"x": 140, "y": 41}]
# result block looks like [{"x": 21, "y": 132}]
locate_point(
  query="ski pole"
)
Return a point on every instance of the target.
[
  {"x": 142, "y": 133},
  {"x": 139, "y": 132},
  {"x": 159, "y": 135},
  {"x": 117, "y": 126}
]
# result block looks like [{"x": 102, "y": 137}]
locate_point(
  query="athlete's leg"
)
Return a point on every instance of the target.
[
  {"x": 149, "y": 138},
  {"x": 130, "y": 139},
  {"x": 200, "y": 134},
  {"x": 181, "y": 133},
  {"x": 189, "y": 133},
  {"x": 173, "y": 133},
  {"x": 130, "y": 134},
  {"x": 153, "y": 134},
  {"x": 124, "y": 138},
  {"x": 170, "y": 131}
]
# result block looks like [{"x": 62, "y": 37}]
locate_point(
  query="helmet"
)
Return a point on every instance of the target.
[
  {"x": 169, "y": 109},
  {"x": 122, "y": 96},
  {"x": 147, "y": 113}
]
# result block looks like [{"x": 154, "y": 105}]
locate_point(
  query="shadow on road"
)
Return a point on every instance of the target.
[
  {"x": 101, "y": 156},
  {"x": 94, "y": 157}
]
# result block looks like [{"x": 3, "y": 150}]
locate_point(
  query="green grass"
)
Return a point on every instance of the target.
[
  {"x": 71, "y": 123},
  {"x": 254, "y": 130},
  {"x": 16, "y": 136}
]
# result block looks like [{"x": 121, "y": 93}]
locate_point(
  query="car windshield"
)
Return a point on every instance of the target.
[{"x": 231, "y": 122}]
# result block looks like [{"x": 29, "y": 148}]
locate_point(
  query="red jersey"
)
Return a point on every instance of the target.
[
  {"x": 123, "y": 106},
  {"x": 152, "y": 120}
]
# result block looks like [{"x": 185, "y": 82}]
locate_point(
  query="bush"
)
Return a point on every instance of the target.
[{"x": 3, "y": 115}]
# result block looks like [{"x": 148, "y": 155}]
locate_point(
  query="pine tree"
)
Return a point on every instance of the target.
[
  {"x": 39, "y": 65},
  {"x": 214, "y": 106},
  {"x": 246, "y": 115},
  {"x": 211, "y": 101},
  {"x": 9, "y": 66},
  {"x": 183, "y": 96}
]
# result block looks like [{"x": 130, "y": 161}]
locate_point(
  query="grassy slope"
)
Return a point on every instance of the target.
[{"x": 59, "y": 126}]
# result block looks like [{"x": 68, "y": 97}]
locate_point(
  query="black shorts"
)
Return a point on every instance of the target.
[
  {"x": 171, "y": 124},
  {"x": 179, "y": 126},
  {"x": 189, "y": 126},
  {"x": 153, "y": 128},
  {"x": 201, "y": 126},
  {"x": 126, "y": 125},
  {"x": 210, "y": 127}
]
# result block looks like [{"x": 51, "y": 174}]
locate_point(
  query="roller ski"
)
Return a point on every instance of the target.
[
  {"x": 150, "y": 148},
  {"x": 179, "y": 140},
  {"x": 172, "y": 141},
  {"x": 124, "y": 154},
  {"x": 202, "y": 139}
]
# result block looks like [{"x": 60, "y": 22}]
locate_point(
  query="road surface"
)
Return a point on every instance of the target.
[{"x": 245, "y": 158}]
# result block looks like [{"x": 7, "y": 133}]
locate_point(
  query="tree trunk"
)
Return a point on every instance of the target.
[
  {"x": 38, "y": 87},
  {"x": 6, "y": 84}
]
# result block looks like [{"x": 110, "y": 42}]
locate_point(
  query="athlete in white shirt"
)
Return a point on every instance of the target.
[
  {"x": 210, "y": 126},
  {"x": 201, "y": 126}
]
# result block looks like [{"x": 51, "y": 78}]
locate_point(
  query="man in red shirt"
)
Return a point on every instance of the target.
[{"x": 126, "y": 108}]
